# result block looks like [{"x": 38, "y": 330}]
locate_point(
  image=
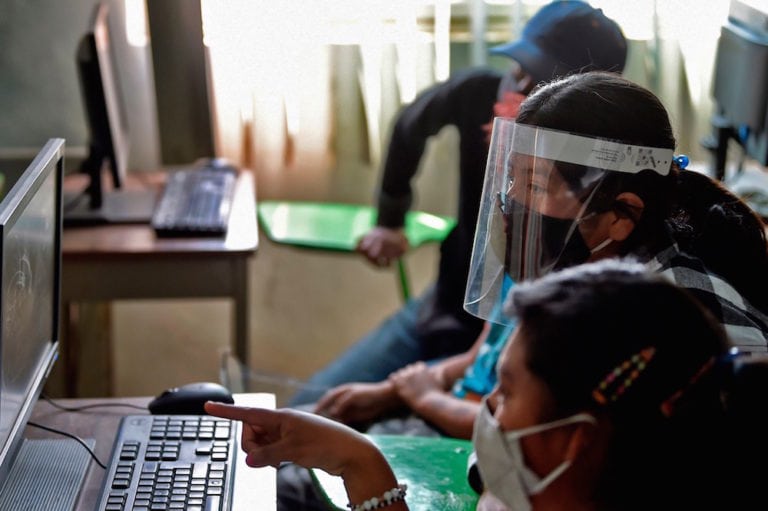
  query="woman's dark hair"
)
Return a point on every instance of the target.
[
  {"x": 676, "y": 401},
  {"x": 706, "y": 220}
]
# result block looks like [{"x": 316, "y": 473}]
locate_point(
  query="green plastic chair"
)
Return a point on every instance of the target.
[{"x": 337, "y": 227}]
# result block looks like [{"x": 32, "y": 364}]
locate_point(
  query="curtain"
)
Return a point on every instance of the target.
[
  {"x": 304, "y": 90},
  {"x": 299, "y": 83}
]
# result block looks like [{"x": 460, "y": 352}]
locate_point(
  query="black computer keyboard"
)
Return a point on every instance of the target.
[
  {"x": 171, "y": 462},
  {"x": 195, "y": 202}
]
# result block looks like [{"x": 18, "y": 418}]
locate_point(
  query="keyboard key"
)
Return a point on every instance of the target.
[{"x": 213, "y": 503}]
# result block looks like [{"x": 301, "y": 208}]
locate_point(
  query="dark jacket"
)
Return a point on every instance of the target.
[{"x": 465, "y": 101}]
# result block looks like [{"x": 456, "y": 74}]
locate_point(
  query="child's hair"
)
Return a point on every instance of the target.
[
  {"x": 617, "y": 341},
  {"x": 706, "y": 220}
]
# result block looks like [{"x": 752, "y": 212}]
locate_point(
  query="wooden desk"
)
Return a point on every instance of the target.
[
  {"x": 112, "y": 262},
  {"x": 101, "y": 424}
]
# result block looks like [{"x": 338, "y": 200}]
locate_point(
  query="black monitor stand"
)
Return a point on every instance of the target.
[
  {"x": 95, "y": 206},
  {"x": 717, "y": 144},
  {"x": 118, "y": 207}
]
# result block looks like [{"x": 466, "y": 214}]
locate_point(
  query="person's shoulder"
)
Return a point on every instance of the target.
[
  {"x": 474, "y": 88},
  {"x": 475, "y": 74},
  {"x": 474, "y": 83},
  {"x": 690, "y": 272}
]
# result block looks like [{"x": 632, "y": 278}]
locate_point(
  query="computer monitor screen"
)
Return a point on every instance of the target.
[
  {"x": 30, "y": 251},
  {"x": 740, "y": 83},
  {"x": 109, "y": 138}
]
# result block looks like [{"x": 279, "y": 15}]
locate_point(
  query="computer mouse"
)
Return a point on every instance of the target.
[{"x": 189, "y": 399}]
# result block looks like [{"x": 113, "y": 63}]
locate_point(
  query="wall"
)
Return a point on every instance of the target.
[{"x": 39, "y": 89}]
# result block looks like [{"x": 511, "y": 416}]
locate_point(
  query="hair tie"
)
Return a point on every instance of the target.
[{"x": 682, "y": 161}]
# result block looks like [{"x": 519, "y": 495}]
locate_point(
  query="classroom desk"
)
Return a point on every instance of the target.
[
  {"x": 101, "y": 424},
  {"x": 127, "y": 261}
]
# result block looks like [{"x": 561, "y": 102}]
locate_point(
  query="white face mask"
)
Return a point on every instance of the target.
[{"x": 501, "y": 463}]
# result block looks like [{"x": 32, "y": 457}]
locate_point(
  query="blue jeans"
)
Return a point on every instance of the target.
[{"x": 391, "y": 346}]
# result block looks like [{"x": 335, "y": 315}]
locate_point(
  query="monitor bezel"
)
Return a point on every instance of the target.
[{"x": 49, "y": 159}]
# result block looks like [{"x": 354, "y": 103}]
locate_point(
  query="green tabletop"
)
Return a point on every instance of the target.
[{"x": 433, "y": 468}]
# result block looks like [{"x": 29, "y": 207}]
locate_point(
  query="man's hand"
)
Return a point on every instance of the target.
[
  {"x": 415, "y": 381},
  {"x": 382, "y": 245},
  {"x": 357, "y": 402}
]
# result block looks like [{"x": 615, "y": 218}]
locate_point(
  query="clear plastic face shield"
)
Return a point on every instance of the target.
[{"x": 542, "y": 199}]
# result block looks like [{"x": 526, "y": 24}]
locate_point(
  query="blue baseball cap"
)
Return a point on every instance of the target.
[{"x": 565, "y": 37}]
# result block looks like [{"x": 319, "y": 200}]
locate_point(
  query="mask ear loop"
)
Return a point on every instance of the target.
[
  {"x": 601, "y": 246},
  {"x": 582, "y": 217}
]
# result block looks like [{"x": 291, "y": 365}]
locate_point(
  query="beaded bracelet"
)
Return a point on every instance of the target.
[{"x": 390, "y": 497}]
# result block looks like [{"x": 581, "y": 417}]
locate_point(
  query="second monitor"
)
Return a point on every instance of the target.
[{"x": 109, "y": 138}]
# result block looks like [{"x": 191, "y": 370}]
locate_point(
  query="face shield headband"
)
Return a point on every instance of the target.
[{"x": 540, "y": 204}]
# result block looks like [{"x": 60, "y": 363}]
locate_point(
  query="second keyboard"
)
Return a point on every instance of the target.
[{"x": 195, "y": 202}]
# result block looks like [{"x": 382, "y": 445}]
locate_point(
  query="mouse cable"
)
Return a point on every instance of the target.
[
  {"x": 87, "y": 407},
  {"x": 74, "y": 437}
]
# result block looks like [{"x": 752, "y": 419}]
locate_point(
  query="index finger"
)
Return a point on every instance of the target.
[{"x": 261, "y": 416}]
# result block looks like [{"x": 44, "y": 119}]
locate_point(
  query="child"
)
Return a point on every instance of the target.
[{"x": 618, "y": 390}]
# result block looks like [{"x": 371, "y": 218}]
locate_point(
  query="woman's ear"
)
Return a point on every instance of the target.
[
  {"x": 588, "y": 439},
  {"x": 623, "y": 225},
  {"x": 581, "y": 438}
]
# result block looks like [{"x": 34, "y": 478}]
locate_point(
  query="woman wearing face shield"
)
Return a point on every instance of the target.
[
  {"x": 587, "y": 171},
  {"x": 617, "y": 391}
]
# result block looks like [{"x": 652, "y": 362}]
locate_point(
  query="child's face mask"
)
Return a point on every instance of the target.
[{"x": 501, "y": 462}]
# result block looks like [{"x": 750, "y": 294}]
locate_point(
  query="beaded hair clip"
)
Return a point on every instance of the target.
[{"x": 617, "y": 381}]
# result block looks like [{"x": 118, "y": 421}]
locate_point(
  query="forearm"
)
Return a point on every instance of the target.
[
  {"x": 370, "y": 475},
  {"x": 429, "y": 113},
  {"x": 390, "y": 399},
  {"x": 452, "y": 368},
  {"x": 395, "y": 193},
  {"x": 454, "y": 416}
]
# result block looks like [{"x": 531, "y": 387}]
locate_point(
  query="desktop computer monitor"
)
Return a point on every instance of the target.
[
  {"x": 740, "y": 85},
  {"x": 109, "y": 138},
  {"x": 30, "y": 276}
]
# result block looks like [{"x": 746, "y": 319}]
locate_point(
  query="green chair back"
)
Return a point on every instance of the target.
[{"x": 338, "y": 226}]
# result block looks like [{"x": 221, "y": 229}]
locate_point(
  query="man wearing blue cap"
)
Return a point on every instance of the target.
[{"x": 565, "y": 36}]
